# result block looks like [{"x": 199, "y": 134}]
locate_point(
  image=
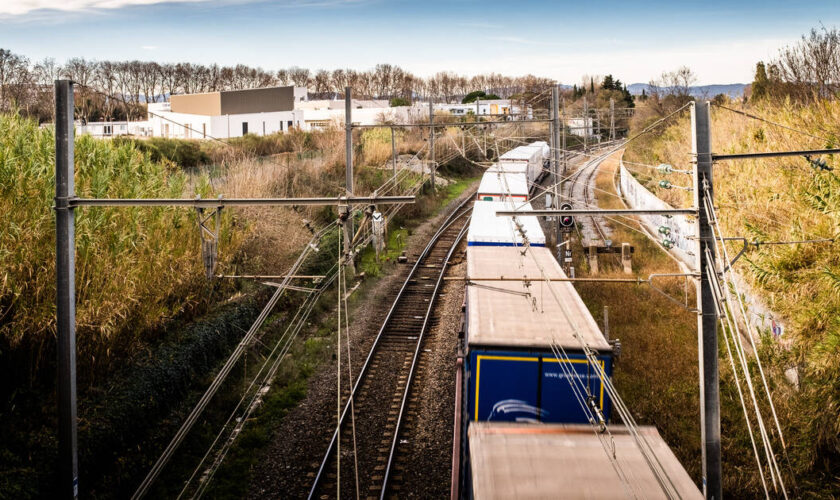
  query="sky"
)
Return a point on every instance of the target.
[{"x": 635, "y": 41}]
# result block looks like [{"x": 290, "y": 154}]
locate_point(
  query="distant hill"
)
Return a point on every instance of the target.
[{"x": 731, "y": 89}]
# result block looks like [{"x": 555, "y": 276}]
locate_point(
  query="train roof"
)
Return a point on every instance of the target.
[
  {"x": 500, "y": 315},
  {"x": 523, "y": 153},
  {"x": 515, "y": 460},
  {"x": 499, "y": 182},
  {"x": 508, "y": 168},
  {"x": 488, "y": 229},
  {"x": 546, "y": 149}
]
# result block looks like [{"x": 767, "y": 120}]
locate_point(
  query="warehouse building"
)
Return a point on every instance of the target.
[{"x": 231, "y": 113}]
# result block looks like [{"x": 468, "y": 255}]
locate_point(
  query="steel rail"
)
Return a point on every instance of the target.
[
  {"x": 416, "y": 357},
  {"x": 456, "y": 214}
]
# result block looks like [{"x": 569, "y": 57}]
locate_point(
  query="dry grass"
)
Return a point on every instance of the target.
[{"x": 783, "y": 199}]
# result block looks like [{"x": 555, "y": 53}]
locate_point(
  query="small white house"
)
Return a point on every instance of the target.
[
  {"x": 114, "y": 128},
  {"x": 581, "y": 127}
]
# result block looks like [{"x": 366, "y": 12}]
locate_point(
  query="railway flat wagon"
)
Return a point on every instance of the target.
[
  {"x": 499, "y": 186},
  {"x": 486, "y": 229},
  {"x": 531, "y": 157},
  {"x": 570, "y": 461},
  {"x": 525, "y": 359}
]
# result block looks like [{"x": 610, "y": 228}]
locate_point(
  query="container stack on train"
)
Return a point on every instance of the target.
[{"x": 530, "y": 394}]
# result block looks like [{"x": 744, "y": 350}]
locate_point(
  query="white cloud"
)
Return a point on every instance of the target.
[
  {"x": 10, "y": 8},
  {"x": 520, "y": 40},
  {"x": 20, "y": 7},
  {"x": 149, "y": 47}
]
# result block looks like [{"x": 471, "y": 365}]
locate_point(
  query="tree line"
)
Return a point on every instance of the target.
[
  {"x": 804, "y": 71},
  {"x": 27, "y": 87}
]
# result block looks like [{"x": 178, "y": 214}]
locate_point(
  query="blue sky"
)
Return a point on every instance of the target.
[{"x": 635, "y": 41}]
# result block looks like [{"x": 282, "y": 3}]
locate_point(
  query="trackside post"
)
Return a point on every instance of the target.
[{"x": 65, "y": 248}]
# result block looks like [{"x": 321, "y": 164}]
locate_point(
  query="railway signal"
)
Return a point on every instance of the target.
[{"x": 566, "y": 221}]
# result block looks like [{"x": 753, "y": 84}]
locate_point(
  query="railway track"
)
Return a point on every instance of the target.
[
  {"x": 586, "y": 173},
  {"x": 381, "y": 392}
]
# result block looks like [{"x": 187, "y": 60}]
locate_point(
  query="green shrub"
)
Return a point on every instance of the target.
[{"x": 181, "y": 152}]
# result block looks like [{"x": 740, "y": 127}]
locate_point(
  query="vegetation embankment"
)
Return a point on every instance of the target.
[
  {"x": 143, "y": 346},
  {"x": 767, "y": 200}
]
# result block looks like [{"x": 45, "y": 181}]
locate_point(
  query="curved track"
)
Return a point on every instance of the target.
[
  {"x": 380, "y": 394},
  {"x": 580, "y": 189}
]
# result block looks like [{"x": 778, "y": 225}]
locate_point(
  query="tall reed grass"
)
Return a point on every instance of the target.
[{"x": 135, "y": 267}]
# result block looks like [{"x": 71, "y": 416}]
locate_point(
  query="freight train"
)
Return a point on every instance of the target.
[{"x": 533, "y": 410}]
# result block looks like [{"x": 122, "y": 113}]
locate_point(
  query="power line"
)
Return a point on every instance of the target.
[{"x": 765, "y": 120}]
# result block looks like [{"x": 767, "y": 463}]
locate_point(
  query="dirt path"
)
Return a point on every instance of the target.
[{"x": 290, "y": 462}]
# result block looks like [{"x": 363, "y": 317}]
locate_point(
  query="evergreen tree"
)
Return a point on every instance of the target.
[
  {"x": 760, "y": 83},
  {"x": 592, "y": 85}
]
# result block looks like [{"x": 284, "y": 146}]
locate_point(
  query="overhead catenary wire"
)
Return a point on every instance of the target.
[
  {"x": 659, "y": 473},
  {"x": 247, "y": 340},
  {"x": 732, "y": 289},
  {"x": 573, "y": 377},
  {"x": 644, "y": 447},
  {"x": 770, "y": 122}
]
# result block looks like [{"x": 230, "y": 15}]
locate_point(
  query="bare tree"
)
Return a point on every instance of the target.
[
  {"x": 321, "y": 83},
  {"x": 299, "y": 76},
  {"x": 812, "y": 66}
]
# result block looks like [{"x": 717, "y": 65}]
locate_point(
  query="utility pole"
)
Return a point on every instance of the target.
[
  {"x": 563, "y": 140},
  {"x": 585, "y": 124},
  {"x": 432, "y": 141},
  {"x": 65, "y": 272},
  {"x": 555, "y": 140},
  {"x": 347, "y": 216},
  {"x": 394, "y": 152},
  {"x": 612, "y": 119},
  {"x": 552, "y": 142},
  {"x": 706, "y": 317}
]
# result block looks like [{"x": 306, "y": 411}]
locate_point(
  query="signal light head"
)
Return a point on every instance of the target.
[{"x": 566, "y": 220}]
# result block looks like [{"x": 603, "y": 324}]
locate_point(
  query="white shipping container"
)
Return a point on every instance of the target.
[
  {"x": 500, "y": 186},
  {"x": 546, "y": 150},
  {"x": 487, "y": 229},
  {"x": 531, "y": 156}
]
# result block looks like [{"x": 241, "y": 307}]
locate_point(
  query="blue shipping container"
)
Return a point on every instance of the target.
[{"x": 532, "y": 385}]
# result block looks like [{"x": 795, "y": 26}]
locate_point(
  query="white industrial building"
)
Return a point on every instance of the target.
[
  {"x": 228, "y": 114},
  {"x": 479, "y": 107},
  {"x": 319, "y": 114},
  {"x": 265, "y": 111}
]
